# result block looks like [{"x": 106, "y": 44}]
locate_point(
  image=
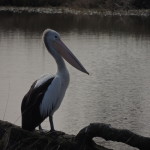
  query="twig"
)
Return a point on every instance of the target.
[{"x": 7, "y": 101}]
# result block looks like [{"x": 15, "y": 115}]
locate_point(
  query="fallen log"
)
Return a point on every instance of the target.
[{"x": 12, "y": 137}]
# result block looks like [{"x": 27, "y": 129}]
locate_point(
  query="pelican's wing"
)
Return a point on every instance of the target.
[
  {"x": 42, "y": 80},
  {"x": 30, "y": 111},
  {"x": 36, "y": 92}
]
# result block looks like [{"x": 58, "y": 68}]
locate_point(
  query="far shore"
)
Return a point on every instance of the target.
[{"x": 74, "y": 11}]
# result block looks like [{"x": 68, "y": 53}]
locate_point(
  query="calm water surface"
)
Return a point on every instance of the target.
[{"x": 115, "y": 51}]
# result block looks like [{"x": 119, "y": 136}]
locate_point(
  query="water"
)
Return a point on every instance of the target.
[{"x": 115, "y": 51}]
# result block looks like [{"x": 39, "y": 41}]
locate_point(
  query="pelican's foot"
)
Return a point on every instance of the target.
[{"x": 41, "y": 129}]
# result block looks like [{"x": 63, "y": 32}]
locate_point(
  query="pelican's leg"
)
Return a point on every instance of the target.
[
  {"x": 40, "y": 127},
  {"x": 51, "y": 123}
]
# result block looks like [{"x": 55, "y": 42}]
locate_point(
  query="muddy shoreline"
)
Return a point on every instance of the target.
[{"x": 65, "y": 10}]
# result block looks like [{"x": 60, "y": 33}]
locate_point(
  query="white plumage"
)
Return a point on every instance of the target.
[{"x": 54, "y": 95}]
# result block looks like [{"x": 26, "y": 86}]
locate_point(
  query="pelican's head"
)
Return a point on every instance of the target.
[{"x": 53, "y": 42}]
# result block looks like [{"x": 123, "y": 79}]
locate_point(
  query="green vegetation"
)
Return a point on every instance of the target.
[{"x": 103, "y": 4}]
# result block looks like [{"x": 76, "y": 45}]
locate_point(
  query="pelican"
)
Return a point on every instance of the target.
[{"x": 46, "y": 94}]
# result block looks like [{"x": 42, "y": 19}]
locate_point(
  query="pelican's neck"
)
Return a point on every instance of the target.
[
  {"x": 61, "y": 66},
  {"x": 62, "y": 70}
]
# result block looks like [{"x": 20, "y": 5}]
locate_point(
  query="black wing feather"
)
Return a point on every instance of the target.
[{"x": 31, "y": 117}]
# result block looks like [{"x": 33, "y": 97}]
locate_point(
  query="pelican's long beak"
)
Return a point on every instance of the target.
[{"x": 63, "y": 50}]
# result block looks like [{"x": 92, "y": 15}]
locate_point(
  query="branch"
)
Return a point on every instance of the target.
[
  {"x": 13, "y": 137},
  {"x": 108, "y": 133}
]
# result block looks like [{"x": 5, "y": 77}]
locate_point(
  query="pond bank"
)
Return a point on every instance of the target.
[{"x": 65, "y": 10}]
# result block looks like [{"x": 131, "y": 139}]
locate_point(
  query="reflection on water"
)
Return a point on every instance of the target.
[
  {"x": 36, "y": 23},
  {"x": 115, "y": 50}
]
